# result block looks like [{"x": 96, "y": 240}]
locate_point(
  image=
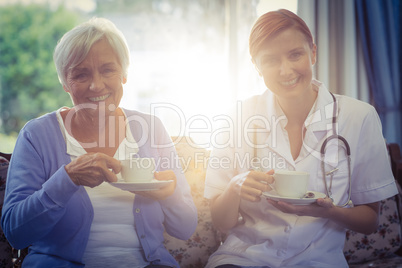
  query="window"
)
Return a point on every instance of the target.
[{"x": 191, "y": 63}]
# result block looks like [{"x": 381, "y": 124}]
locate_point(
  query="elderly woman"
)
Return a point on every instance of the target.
[
  {"x": 285, "y": 128},
  {"x": 59, "y": 200}
]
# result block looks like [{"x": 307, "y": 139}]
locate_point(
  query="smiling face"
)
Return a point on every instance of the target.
[
  {"x": 286, "y": 63},
  {"x": 97, "y": 81}
]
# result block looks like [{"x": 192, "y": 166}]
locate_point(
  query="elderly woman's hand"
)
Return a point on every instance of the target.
[
  {"x": 165, "y": 191},
  {"x": 92, "y": 169}
]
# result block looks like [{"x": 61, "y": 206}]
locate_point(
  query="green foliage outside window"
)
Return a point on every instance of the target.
[{"x": 29, "y": 86}]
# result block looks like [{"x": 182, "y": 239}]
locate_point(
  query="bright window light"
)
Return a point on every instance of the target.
[{"x": 189, "y": 88}]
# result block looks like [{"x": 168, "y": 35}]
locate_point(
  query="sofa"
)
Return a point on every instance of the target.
[{"x": 380, "y": 249}]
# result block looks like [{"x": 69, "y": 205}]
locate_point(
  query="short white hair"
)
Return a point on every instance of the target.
[{"x": 74, "y": 46}]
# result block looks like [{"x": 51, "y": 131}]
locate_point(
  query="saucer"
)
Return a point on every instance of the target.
[
  {"x": 141, "y": 186},
  {"x": 292, "y": 200}
]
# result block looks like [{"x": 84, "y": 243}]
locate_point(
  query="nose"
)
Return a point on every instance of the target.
[
  {"x": 96, "y": 83},
  {"x": 285, "y": 68}
]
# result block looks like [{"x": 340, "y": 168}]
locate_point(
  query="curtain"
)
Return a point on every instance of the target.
[
  {"x": 379, "y": 23},
  {"x": 340, "y": 64},
  {"x": 358, "y": 53}
]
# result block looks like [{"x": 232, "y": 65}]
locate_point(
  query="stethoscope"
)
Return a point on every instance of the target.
[{"x": 331, "y": 172}]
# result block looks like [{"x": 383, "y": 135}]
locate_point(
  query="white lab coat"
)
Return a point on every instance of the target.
[{"x": 267, "y": 237}]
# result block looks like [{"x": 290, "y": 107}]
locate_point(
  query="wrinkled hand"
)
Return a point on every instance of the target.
[
  {"x": 317, "y": 209},
  {"x": 92, "y": 169},
  {"x": 252, "y": 184},
  {"x": 166, "y": 191}
]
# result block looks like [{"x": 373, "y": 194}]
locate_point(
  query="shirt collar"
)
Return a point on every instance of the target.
[
  {"x": 319, "y": 116},
  {"x": 318, "y": 122},
  {"x": 126, "y": 148}
]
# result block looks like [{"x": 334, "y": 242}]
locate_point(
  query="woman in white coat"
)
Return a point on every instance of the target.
[{"x": 285, "y": 128}]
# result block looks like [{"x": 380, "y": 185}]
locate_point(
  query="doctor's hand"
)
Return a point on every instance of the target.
[
  {"x": 317, "y": 209},
  {"x": 166, "y": 191},
  {"x": 251, "y": 184},
  {"x": 359, "y": 218}
]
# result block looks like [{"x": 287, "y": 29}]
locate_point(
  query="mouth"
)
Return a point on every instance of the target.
[
  {"x": 99, "y": 98},
  {"x": 290, "y": 83}
]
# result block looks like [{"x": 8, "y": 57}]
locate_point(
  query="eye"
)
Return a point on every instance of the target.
[
  {"x": 108, "y": 70},
  {"x": 80, "y": 77},
  {"x": 295, "y": 55},
  {"x": 269, "y": 61}
]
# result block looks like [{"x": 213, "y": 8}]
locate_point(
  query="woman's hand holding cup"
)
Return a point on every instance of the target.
[
  {"x": 251, "y": 184},
  {"x": 92, "y": 169}
]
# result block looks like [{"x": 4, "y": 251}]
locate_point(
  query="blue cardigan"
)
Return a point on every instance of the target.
[{"x": 45, "y": 210}]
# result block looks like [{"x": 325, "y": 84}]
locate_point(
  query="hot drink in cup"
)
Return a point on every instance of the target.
[
  {"x": 138, "y": 169},
  {"x": 290, "y": 183}
]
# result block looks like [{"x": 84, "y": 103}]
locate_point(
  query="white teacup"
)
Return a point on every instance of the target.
[
  {"x": 290, "y": 183},
  {"x": 138, "y": 169}
]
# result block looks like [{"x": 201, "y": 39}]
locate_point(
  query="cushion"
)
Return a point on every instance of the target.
[
  {"x": 381, "y": 244},
  {"x": 195, "y": 251}
]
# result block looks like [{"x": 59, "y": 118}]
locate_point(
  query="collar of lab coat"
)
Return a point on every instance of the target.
[{"x": 318, "y": 123}]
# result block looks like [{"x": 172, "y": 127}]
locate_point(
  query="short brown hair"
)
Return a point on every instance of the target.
[{"x": 272, "y": 23}]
